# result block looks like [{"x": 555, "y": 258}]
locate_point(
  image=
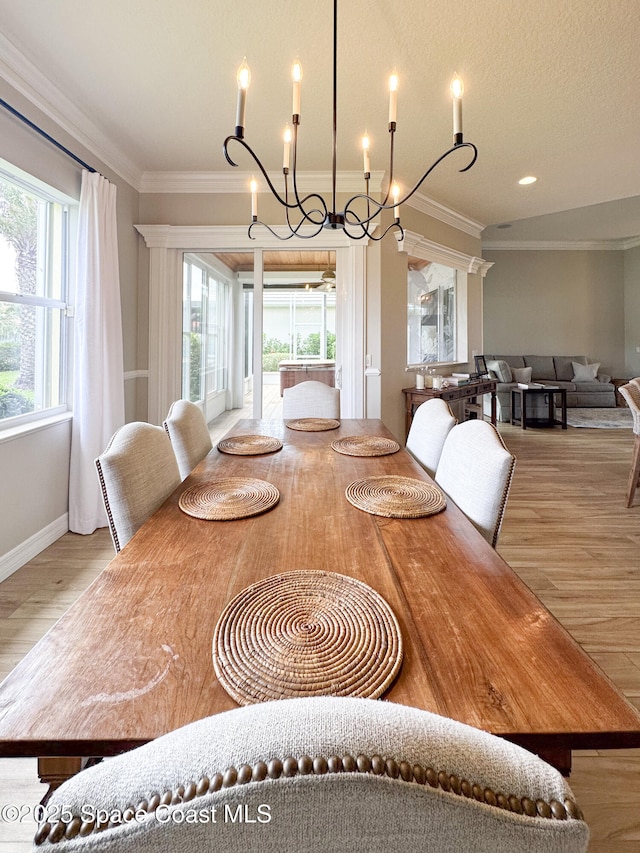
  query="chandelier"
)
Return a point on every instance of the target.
[{"x": 356, "y": 218}]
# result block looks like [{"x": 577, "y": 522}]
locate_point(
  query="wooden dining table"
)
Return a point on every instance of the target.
[{"x": 132, "y": 658}]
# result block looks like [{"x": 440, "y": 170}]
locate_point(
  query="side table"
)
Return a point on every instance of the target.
[{"x": 525, "y": 393}]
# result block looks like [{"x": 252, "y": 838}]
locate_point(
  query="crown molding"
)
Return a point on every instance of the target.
[
  {"x": 228, "y": 237},
  {"x": 445, "y": 214},
  {"x": 560, "y": 245},
  {"x": 238, "y": 182},
  {"x": 20, "y": 73},
  {"x": 419, "y": 247}
]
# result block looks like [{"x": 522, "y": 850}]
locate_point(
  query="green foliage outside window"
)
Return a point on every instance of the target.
[
  {"x": 195, "y": 366},
  {"x": 9, "y": 356},
  {"x": 13, "y": 401},
  {"x": 274, "y": 351}
]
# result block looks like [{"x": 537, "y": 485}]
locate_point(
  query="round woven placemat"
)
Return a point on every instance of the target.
[
  {"x": 313, "y": 424},
  {"x": 229, "y": 498},
  {"x": 396, "y": 497},
  {"x": 365, "y": 445},
  {"x": 249, "y": 445},
  {"x": 306, "y": 633}
]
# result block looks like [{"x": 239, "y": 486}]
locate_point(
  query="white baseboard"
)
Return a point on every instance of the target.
[{"x": 30, "y": 548}]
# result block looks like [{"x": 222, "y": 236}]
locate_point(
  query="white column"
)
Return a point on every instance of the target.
[
  {"x": 351, "y": 304},
  {"x": 258, "y": 287},
  {"x": 165, "y": 331}
]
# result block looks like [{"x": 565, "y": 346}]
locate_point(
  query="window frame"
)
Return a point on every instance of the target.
[
  {"x": 68, "y": 209},
  {"x": 216, "y": 289},
  {"x": 440, "y": 296}
]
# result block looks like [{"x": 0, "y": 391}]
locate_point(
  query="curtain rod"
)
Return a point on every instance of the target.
[{"x": 46, "y": 135}]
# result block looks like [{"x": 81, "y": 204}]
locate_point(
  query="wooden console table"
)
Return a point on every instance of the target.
[{"x": 415, "y": 396}]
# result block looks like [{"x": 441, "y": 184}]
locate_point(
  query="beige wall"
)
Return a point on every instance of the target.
[
  {"x": 393, "y": 336},
  {"x": 632, "y": 311},
  {"x": 556, "y": 302}
]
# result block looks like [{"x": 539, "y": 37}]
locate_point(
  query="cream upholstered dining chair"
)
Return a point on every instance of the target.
[
  {"x": 631, "y": 394},
  {"x": 475, "y": 470},
  {"x": 187, "y": 428},
  {"x": 318, "y": 775},
  {"x": 430, "y": 426},
  {"x": 137, "y": 472},
  {"x": 310, "y": 399}
]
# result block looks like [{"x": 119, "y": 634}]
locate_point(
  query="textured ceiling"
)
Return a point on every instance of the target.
[{"x": 551, "y": 89}]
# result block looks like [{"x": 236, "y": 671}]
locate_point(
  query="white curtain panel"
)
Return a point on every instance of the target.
[{"x": 98, "y": 375}]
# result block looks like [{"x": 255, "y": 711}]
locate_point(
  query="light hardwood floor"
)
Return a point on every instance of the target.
[{"x": 567, "y": 532}]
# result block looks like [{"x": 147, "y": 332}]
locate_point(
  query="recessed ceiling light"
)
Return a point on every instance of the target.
[
  {"x": 504, "y": 225},
  {"x": 528, "y": 180}
]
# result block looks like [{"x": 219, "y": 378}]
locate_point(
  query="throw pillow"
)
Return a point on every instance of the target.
[
  {"x": 500, "y": 369},
  {"x": 584, "y": 372},
  {"x": 522, "y": 374}
]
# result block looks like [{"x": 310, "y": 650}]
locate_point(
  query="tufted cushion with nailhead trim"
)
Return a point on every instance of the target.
[{"x": 315, "y": 776}]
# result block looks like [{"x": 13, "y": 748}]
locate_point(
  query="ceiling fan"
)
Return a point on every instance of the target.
[{"x": 328, "y": 279}]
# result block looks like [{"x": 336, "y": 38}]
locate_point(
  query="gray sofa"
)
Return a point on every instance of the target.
[{"x": 557, "y": 370}]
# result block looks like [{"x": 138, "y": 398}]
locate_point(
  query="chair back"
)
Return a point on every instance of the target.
[
  {"x": 137, "y": 472},
  {"x": 187, "y": 428},
  {"x": 319, "y": 774},
  {"x": 631, "y": 394},
  {"x": 430, "y": 426},
  {"x": 475, "y": 470},
  {"x": 310, "y": 399}
]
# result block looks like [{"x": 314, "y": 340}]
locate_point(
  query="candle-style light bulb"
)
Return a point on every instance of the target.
[
  {"x": 287, "y": 146},
  {"x": 395, "y": 194},
  {"x": 296, "y": 76},
  {"x": 393, "y": 97},
  {"x": 365, "y": 153},
  {"x": 244, "y": 79},
  {"x": 457, "y": 90},
  {"x": 254, "y": 198}
]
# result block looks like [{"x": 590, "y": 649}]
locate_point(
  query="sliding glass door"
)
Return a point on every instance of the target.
[{"x": 205, "y": 341}]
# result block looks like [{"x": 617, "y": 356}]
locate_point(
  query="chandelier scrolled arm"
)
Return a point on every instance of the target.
[
  {"x": 385, "y": 205},
  {"x": 364, "y": 230},
  {"x": 299, "y": 202},
  {"x": 293, "y": 232}
]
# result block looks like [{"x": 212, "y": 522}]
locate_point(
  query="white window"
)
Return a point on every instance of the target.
[
  {"x": 204, "y": 331},
  {"x": 33, "y": 294},
  {"x": 299, "y": 325}
]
